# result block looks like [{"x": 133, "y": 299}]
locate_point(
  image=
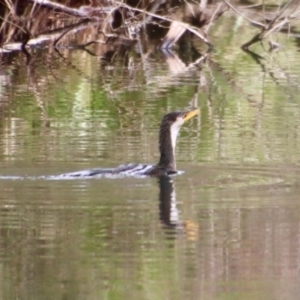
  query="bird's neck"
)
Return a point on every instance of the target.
[{"x": 167, "y": 144}]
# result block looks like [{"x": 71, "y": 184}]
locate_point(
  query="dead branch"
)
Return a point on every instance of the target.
[
  {"x": 54, "y": 35},
  {"x": 61, "y": 8},
  {"x": 82, "y": 12},
  {"x": 284, "y": 16},
  {"x": 246, "y": 18},
  {"x": 186, "y": 26}
]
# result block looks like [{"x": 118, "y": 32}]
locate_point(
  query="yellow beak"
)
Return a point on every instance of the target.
[{"x": 191, "y": 114}]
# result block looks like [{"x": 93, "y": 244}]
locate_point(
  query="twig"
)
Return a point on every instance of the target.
[
  {"x": 279, "y": 15},
  {"x": 10, "y": 6},
  {"x": 239, "y": 13},
  {"x": 274, "y": 25},
  {"x": 63, "y": 34},
  {"x": 13, "y": 24},
  {"x": 213, "y": 17},
  {"x": 62, "y": 8},
  {"x": 184, "y": 25}
]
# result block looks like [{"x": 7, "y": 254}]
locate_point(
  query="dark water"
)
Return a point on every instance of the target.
[{"x": 228, "y": 228}]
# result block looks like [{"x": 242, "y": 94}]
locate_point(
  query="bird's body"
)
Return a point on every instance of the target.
[
  {"x": 169, "y": 129},
  {"x": 132, "y": 169}
]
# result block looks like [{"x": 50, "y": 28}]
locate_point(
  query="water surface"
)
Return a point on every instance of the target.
[{"x": 227, "y": 228}]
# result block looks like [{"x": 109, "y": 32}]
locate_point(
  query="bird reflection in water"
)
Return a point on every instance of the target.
[{"x": 169, "y": 213}]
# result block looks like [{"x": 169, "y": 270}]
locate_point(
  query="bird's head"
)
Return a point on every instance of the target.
[{"x": 173, "y": 121}]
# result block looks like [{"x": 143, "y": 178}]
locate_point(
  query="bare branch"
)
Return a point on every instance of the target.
[
  {"x": 184, "y": 25},
  {"x": 62, "y": 8},
  {"x": 246, "y": 18},
  {"x": 280, "y": 14}
]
